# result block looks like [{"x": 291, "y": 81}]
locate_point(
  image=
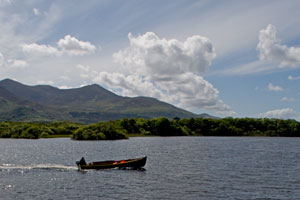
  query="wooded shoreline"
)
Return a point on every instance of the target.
[{"x": 125, "y": 128}]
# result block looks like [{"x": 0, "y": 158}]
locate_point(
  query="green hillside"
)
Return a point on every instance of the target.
[{"x": 88, "y": 104}]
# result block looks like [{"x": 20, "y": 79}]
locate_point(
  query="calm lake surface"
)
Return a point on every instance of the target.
[{"x": 177, "y": 168}]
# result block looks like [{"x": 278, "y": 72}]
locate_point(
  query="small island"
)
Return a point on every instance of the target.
[{"x": 125, "y": 128}]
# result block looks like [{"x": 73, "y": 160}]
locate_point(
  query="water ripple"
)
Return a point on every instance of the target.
[{"x": 177, "y": 168}]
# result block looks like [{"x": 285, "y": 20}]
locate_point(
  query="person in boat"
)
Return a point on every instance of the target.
[{"x": 82, "y": 161}]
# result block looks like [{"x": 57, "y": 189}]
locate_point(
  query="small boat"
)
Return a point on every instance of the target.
[{"x": 136, "y": 163}]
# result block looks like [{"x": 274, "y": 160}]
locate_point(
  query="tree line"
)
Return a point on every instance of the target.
[
  {"x": 213, "y": 127},
  {"x": 122, "y": 129},
  {"x": 30, "y": 130}
]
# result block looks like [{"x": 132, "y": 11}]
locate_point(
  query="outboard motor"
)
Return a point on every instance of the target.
[{"x": 78, "y": 164}]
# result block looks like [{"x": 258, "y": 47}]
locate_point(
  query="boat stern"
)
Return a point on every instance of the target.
[{"x": 78, "y": 165}]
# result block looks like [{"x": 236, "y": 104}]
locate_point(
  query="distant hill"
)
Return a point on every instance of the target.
[
  {"x": 6, "y": 95},
  {"x": 88, "y": 104}
]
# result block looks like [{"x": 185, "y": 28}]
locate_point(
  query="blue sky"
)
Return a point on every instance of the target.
[{"x": 225, "y": 58}]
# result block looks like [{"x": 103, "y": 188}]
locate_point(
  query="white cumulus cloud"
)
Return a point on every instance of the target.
[
  {"x": 1, "y": 60},
  {"x": 63, "y": 87},
  {"x": 68, "y": 45},
  {"x": 274, "y": 88},
  {"x": 17, "y": 63},
  {"x": 150, "y": 54},
  {"x": 270, "y": 48},
  {"x": 86, "y": 72},
  {"x": 36, "y": 11},
  {"x": 169, "y": 70},
  {"x": 45, "y": 82},
  {"x": 85, "y": 68},
  {"x": 40, "y": 49},
  {"x": 286, "y": 113},
  {"x": 286, "y": 99},
  {"x": 73, "y": 46},
  {"x": 294, "y": 77},
  {"x": 12, "y": 63},
  {"x": 131, "y": 85}
]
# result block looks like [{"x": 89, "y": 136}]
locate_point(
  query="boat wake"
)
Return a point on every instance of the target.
[{"x": 37, "y": 166}]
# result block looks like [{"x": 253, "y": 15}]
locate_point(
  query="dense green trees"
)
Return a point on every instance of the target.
[
  {"x": 120, "y": 129},
  {"x": 36, "y": 130},
  {"x": 213, "y": 127},
  {"x": 243, "y": 127},
  {"x": 111, "y": 130}
]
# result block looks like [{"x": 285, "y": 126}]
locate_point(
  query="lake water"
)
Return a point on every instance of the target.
[{"x": 177, "y": 168}]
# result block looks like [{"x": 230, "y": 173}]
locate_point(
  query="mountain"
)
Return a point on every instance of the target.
[
  {"x": 49, "y": 95},
  {"x": 13, "y": 108},
  {"x": 88, "y": 104},
  {"x": 6, "y": 95}
]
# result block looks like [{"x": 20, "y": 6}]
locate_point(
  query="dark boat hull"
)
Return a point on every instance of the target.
[{"x": 130, "y": 163}]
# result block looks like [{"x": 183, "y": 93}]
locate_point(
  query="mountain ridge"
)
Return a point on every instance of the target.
[{"x": 88, "y": 104}]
